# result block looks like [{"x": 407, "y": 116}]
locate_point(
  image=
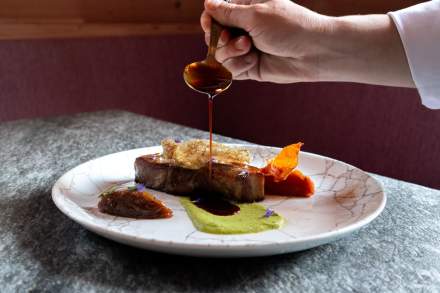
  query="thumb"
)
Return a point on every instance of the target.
[{"x": 230, "y": 14}]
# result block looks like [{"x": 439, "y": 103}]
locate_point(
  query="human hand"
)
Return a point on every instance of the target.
[
  {"x": 281, "y": 37},
  {"x": 287, "y": 43}
]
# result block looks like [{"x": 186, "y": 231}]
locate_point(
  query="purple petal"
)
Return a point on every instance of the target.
[
  {"x": 140, "y": 187},
  {"x": 268, "y": 213}
]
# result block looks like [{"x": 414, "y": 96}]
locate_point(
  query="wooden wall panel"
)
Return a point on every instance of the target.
[
  {"x": 22, "y": 19},
  {"x": 103, "y": 10}
]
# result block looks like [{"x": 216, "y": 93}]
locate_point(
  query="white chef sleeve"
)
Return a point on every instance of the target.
[{"x": 419, "y": 29}]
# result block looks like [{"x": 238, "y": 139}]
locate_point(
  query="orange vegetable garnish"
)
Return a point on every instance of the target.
[
  {"x": 296, "y": 184},
  {"x": 283, "y": 164}
]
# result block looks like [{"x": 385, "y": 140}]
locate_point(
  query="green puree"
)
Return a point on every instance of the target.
[{"x": 250, "y": 219}]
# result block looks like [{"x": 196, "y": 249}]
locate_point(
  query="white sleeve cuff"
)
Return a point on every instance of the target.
[{"x": 419, "y": 29}]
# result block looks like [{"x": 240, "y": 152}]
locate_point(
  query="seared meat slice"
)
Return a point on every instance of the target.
[
  {"x": 241, "y": 183},
  {"x": 133, "y": 204},
  {"x": 158, "y": 173}
]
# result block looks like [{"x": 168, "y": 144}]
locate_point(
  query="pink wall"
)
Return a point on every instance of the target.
[{"x": 382, "y": 130}]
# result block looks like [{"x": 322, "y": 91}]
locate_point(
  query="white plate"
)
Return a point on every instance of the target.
[{"x": 346, "y": 199}]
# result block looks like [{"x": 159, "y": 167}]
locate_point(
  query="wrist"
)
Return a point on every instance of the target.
[{"x": 365, "y": 49}]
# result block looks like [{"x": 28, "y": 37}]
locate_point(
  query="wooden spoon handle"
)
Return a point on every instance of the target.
[{"x": 216, "y": 29}]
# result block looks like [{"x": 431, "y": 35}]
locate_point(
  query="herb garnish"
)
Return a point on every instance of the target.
[{"x": 109, "y": 190}]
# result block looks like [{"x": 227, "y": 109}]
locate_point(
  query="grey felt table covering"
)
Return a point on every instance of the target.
[{"x": 43, "y": 250}]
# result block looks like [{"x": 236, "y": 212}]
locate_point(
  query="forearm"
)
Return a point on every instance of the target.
[{"x": 365, "y": 49}]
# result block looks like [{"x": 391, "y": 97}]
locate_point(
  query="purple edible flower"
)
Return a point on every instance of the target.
[
  {"x": 177, "y": 140},
  {"x": 268, "y": 213},
  {"x": 140, "y": 187}
]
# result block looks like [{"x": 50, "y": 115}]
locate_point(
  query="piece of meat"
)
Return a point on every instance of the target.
[
  {"x": 133, "y": 204},
  {"x": 241, "y": 183},
  {"x": 162, "y": 174}
]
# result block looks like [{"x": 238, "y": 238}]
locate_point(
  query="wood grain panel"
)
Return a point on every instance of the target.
[
  {"x": 103, "y": 10},
  {"x": 23, "y": 19},
  {"x": 74, "y": 30}
]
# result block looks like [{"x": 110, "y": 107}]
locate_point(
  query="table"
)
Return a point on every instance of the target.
[{"x": 43, "y": 250}]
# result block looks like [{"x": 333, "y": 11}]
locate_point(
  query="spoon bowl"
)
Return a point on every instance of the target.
[{"x": 209, "y": 76}]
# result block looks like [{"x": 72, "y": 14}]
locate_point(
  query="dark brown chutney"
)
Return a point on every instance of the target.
[{"x": 133, "y": 204}]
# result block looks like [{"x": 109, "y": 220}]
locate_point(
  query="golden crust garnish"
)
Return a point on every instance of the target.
[
  {"x": 169, "y": 147},
  {"x": 194, "y": 154}
]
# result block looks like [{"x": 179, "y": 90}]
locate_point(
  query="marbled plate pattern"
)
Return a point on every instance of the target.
[{"x": 346, "y": 199}]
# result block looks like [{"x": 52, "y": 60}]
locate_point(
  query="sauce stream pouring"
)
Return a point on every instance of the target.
[{"x": 209, "y": 77}]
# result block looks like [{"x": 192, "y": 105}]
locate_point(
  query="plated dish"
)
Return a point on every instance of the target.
[
  {"x": 218, "y": 184},
  {"x": 345, "y": 199}
]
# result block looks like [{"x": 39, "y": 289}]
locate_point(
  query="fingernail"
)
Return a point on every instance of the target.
[
  {"x": 214, "y": 3},
  {"x": 240, "y": 43}
]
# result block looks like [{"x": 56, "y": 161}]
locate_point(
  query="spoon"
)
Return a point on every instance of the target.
[{"x": 209, "y": 76}]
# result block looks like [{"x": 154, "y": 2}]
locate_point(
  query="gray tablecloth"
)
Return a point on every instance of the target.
[{"x": 43, "y": 250}]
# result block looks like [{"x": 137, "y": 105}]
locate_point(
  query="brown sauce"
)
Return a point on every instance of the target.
[
  {"x": 210, "y": 105},
  {"x": 210, "y": 78},
  {"x": 216, "y": 206}
]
